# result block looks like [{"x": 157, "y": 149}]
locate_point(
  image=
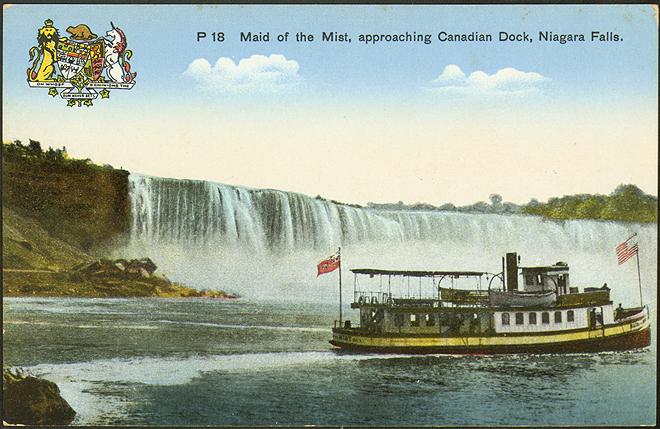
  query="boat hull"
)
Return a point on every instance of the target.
[{"x": 609, "y": 338}]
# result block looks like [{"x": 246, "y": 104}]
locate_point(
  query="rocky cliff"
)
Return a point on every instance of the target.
[
  {"x": 59, "y": 216},
  {"x": 80, "y": 203}
]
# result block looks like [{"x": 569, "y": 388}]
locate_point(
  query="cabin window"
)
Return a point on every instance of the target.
[
  {"x": 430, "y": 320},
  {"x": 539, "y": 279},
  {"x": 398, "y": 320},
  {"x": 414, "y": 321},
  {"x": 545, "y": 317},
  {"x": 557, "y": 316},
  {"x": 570, "y": 316},
  {"x": 529, "y": 280},
  {"x": 519, "y": 318},
  {"x": 532, "y": 318},
  {"x": 505, "y": 318}
]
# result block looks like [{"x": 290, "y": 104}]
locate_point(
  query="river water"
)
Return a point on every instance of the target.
[
  {"x": 265, "y": 359},
  {"x": 260, "y": 362}
]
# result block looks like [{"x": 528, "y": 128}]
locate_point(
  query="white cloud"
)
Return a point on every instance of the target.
[
  {"x": 258, "y": 73},
  {"x": 505, "y": 81}
]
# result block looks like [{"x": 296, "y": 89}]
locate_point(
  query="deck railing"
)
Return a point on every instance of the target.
[
  {"x": 391, "y": 300},
  {"x": 347, "y": 324},
  {"x": 361, "y": 297}
]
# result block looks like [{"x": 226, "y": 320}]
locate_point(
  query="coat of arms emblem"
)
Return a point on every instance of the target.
[{"x": 82, "y": 66}]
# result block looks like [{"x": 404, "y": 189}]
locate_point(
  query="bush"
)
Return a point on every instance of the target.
[{"x": 627, "y": 203}]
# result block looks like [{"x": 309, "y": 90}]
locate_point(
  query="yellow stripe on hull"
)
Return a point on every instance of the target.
[{"x": 495, "y": 341}]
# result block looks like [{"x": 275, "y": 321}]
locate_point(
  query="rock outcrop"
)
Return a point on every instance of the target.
[
  {"x": 144, "y": 268},
  {"x": 30, "y": 400}
]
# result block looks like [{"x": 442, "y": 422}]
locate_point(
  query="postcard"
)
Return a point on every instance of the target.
[{"x": 329, "y": 215}]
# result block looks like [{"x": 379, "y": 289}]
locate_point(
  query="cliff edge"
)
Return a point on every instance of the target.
[
  {"x": 59, "y": 217},
  {"x": 76, "y": 201}
]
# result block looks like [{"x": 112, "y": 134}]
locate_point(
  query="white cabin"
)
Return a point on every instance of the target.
[
  {"x": 553, "y": 277},
  {"x": 551, "y": 319}
]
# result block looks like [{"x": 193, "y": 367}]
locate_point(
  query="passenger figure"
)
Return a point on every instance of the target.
[
  {"x": 619, "y": 312},
  {"x": 592, "y": 318},
  {"x": 474, "y": 324},
  {"x": 455, "y": 324}
]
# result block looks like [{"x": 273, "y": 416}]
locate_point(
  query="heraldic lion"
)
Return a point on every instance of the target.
[{"x": 47, "y": 39}]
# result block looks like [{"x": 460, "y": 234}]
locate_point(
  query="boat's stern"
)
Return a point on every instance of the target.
[{"x": 636, "y": 324}]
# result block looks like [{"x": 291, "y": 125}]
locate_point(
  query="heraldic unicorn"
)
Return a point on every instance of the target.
[{"x": 82, "y": 66}]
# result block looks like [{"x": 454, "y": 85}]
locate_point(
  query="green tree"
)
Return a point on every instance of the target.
[
  {"x": 447, "y": 207},
  {"x": 590, "y": 209},
  {"x": 34, "y": 149},
  {"x": 495, "y": 199},
  {"x": 51, "y": 155}
]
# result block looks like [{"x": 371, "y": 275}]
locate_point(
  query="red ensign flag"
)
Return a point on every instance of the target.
[{"x": 328, "y": 265}]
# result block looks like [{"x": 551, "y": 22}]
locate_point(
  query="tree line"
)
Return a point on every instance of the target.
[
  {"x": 32, "y": 151},
  {"x": 626, "y": 203}
]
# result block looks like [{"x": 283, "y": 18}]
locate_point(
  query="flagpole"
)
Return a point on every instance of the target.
[
  {"x": 639, "y": 279},
  {"x": 340, "y": 314}
]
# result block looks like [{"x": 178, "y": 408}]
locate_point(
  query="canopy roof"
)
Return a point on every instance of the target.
[{"x": 407, "y": 273}]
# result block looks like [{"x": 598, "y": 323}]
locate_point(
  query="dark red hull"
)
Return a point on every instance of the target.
[{"x": 626, "y": 341}]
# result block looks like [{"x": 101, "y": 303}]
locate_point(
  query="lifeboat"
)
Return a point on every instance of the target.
[{"x": 521, "y": 299}]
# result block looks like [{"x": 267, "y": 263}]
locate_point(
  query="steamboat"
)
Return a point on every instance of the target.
[{"x": 531, "y": 309}]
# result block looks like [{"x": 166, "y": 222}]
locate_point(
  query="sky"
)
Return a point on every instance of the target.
[{"x": 361, "y": 122}]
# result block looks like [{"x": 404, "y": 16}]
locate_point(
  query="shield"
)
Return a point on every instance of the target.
[
  {"x": 71, "y": 57},
  {"x": 96, "y": 58}
]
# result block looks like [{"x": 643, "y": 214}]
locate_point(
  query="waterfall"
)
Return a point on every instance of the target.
[{"x": 267, "y": 242}]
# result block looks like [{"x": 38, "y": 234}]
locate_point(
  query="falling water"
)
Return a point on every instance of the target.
[{"x": 267, "y": 242}]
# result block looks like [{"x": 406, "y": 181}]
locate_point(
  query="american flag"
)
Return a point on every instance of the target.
[{"x": 626, "y": 250}]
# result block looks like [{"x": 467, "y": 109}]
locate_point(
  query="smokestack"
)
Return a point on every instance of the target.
[{"x": 511, "y": 271}]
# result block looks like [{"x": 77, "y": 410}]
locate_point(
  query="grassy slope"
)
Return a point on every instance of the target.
[
  {"x": 37, "y": 264},
  {"x": 27, "y": 245}
]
